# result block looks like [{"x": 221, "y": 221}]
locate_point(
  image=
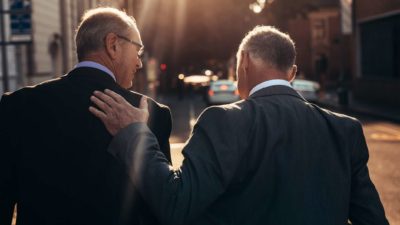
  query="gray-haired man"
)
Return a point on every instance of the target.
[
  {"x": 53, "y": 159},
  {"x": 272, "y": 158}
]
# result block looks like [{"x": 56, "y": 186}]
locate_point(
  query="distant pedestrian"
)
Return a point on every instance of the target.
[
  {"x": 54, "y": 53},
  {"x": 53, "y": 161},
  {"x": 272, "y": 158},
  {"x": 321, "y": 66}
]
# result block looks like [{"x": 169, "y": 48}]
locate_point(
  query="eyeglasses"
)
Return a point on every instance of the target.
[{"x": 140, "y": 52}]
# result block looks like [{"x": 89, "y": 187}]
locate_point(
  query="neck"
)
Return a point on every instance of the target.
[
  {"x": 265, "y": 75},
  {"x": 100, "y": 58}
]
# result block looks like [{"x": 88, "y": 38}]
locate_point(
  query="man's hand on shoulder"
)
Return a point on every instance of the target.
[{"x": 115, "y": 112}]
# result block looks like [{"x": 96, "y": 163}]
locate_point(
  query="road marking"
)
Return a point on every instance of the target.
[
  {"x": 381, "y": 132},
  {"x": 388, "y": 130},
  {"x": 384, "y": 137}
]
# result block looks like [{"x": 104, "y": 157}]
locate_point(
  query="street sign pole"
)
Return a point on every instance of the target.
[{"x": 3, "y": 48}]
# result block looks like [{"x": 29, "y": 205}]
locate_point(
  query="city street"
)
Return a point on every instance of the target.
[
  {"x": 344, "y": 55},
  {"x": 184, "y": 115},
  {"x": 383, "y": 139}
]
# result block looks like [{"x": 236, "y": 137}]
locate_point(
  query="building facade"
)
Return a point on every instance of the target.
[
  {"x": 377, "y": 48},
  {"x": 322, "y": 50},
  {"x": 50, "y": 51}
]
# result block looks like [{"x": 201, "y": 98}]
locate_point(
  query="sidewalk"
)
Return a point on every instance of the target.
[{"x": 330, "y": 99}]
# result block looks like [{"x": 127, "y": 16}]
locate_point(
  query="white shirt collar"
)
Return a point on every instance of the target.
[
  {"x": 96, "y": 65},
  {"x": 269, "y": 83}
]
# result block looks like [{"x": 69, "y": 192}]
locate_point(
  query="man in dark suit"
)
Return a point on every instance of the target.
[
  {"x": 53, "y": 160},
  {"x": 272, "y": 158}
]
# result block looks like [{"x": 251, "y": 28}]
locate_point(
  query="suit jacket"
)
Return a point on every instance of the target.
[
  {"x": 53, "y": 159},
  {"x": 271, "y": 159}
]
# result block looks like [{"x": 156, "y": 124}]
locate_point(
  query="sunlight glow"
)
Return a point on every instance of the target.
[
  {"x": 259, "y": 5},
  {"x": 175, "y": 11},
  {"x": 180, "y": 21},
  {"x": 255, "y": 7}
]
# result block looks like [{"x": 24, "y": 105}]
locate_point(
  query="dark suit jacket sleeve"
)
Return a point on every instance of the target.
[
  {"x": 178, "y": 197},
  {"x": 8, "y": 149},
  {"x": 166, "y": 121},
  {"x": 365, "y": 205}
]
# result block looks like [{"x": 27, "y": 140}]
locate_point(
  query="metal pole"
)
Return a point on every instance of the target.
[{"x": 3, "y": 48}]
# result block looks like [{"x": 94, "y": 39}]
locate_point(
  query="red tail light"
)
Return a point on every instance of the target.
[
  {"x": 210, "y": 92},
  {"x": 236, "y": 92}
]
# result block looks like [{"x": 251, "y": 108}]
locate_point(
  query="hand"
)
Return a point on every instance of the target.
[{"x": 115, "y": 112}]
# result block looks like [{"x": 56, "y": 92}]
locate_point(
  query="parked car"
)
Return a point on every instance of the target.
[
  {"x": 222, "y": 92},
  {"x": 307, "y": 88}
]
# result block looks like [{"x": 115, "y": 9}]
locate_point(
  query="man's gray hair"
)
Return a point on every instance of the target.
[
  {"x": 270, "y": 45},
  {"x": 96, "y": 24}
]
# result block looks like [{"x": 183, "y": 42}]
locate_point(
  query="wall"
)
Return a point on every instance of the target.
[
  {"x": 368, "y": 8},
  {"x": 375, "y": 82},
  {"x": 299, "y": 31},
  {"x": 45, "y": 17}
]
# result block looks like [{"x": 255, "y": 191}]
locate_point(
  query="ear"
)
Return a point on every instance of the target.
[
  {"x": 244, "y": 60},
  {"x": 111, "y": 45},
  {"x": 292, "y": 73}
]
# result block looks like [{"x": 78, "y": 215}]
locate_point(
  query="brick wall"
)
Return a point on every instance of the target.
[{"x": 299, "y": 31}]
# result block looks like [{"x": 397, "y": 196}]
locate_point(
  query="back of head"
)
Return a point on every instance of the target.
[
  {"x": 96, "y": 24},
  {"x": 271, "y": 46}
]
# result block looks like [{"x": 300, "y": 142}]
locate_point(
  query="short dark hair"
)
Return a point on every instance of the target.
[{"x": 271, "y": 46}]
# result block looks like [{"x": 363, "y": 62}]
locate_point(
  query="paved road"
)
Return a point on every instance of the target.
[
  {"x": 383, "y": 139},
  {"x": 184, "y": 114}
]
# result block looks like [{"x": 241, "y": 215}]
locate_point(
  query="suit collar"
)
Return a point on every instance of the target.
[
  {"x": 269, "y": 83},
  {"x": 277, "y": 90},
  {"x": 96, "y": 65},
  {"x": 90, "y": 74}
]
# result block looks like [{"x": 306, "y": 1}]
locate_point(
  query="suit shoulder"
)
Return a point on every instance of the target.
[
  {"x": 18, "y": 94},
  {"x": 14, "y": 102},
  {"x": 234, "y": 112},
  {"x": 45, "y": 85},
  {"x": 221, "y": 109},
  {"x": 151, "y": 101},
  {"x": 231, "y": 122},
  {"x": 347, "y": 120}
]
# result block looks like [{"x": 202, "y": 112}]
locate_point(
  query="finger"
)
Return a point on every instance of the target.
[
  {"x": 100, "y": 104},
  {"x": 99, "y": 114},
  {"x": 118, "y": 98},
  {"x": 120, "y": 103},
  {"x": 105, "y": 98},
  {"x": 143, "y": 103}
]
